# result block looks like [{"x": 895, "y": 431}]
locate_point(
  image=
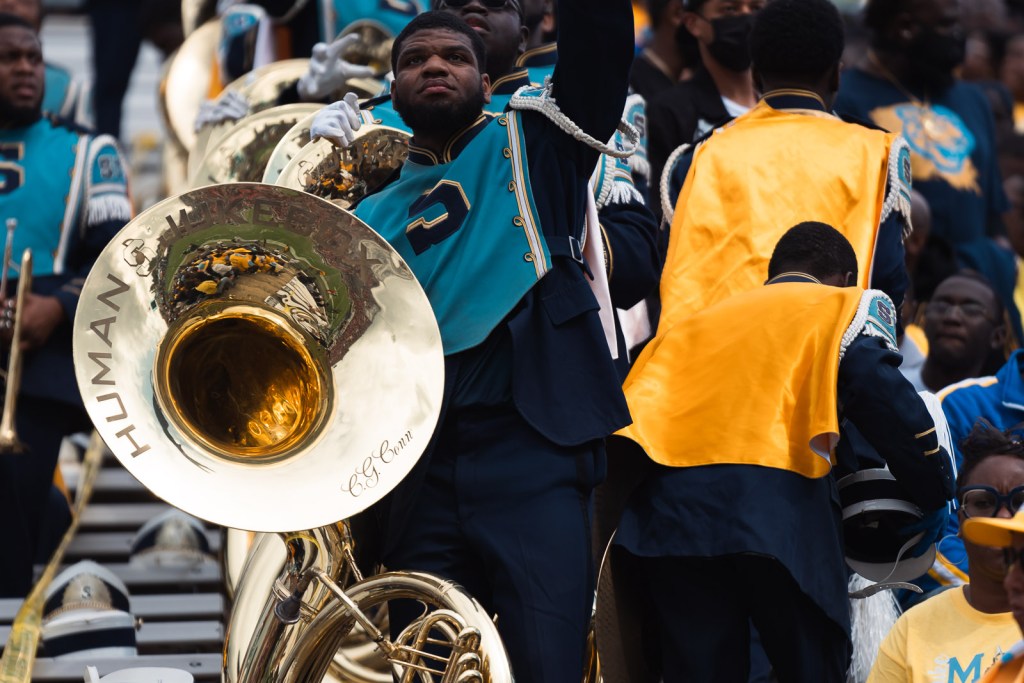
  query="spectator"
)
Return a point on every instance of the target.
[
  {"x": 662, "y": 62},
  {"x": 963, "y": 325},
  {"x": 957, "y": 634},
  {"x": 722, "y": 87},
  {"x": 907, "y": 85}
]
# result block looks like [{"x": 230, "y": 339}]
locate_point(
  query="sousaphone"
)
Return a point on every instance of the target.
[{"x": 263, "y": 360}]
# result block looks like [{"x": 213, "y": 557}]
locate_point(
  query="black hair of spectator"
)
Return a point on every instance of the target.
[
  {"x": 442, "y": 20},
  {"x": 656, "y": 10},
  {"x": 797, "y": 40},
  {"x": 879, "y": 14},
  {"x": 694, "y": 5},
  {"x": 14, "y": 20},
  {"x": 984, "y": 441},
  {"x": 816, "y": 249}
]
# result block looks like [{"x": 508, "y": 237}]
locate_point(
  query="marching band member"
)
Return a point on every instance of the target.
[
  {"x": 739, "y": 521},
  {"x": 68, "y": 192},
  {"x": 502, "y": 503}
]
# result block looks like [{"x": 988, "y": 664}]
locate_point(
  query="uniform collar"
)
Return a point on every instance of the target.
[
  {"x": 455, "y": 145},
  {"x": 510, "y": 82},
  {"x": 793, "y": 276},
  {"x": 793, "y": 98},
  {"x": 542, "y": 55}
]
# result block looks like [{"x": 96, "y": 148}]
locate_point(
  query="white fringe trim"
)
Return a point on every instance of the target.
[
  {"x": 871, "y": 618},
  {"x": 859, "y": 323},
  {"x": 640, "y": 166},
  {"x": 545, "y": 104},
  {"x": 895, "y": 199},
  {"x": 108, "y": 207}
]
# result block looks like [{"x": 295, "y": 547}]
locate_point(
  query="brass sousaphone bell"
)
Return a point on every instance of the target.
[{"x": 261, "y": 359}]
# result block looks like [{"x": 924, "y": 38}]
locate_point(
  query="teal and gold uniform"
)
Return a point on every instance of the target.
[
  {"x": 68, "y": 192},
  {"x": 67, "y": 97},
  {"x": 393, "y": 15},
  {"x": 475, "y": 261}
]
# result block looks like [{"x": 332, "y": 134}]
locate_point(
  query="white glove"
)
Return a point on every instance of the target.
[
  {"x": 328, "y": 71},
  {"x": 338, "y": 122},
  {"x": 230, "y": 106}
]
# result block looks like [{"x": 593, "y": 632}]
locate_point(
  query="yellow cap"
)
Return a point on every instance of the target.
[{"x": 993, "y": 531}]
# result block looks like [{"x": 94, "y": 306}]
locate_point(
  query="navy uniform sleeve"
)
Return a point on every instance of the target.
[
  {"x": 595, "y": 52},
  {"x": 889, "y": 269},
  {"x": 631, "y": 254},
  {"x": 883, "y": 405}
]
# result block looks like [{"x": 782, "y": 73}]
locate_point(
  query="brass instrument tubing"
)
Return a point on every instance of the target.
[
  {"x": 20, "y": 654},
  {"x": 364, "y": 621}
]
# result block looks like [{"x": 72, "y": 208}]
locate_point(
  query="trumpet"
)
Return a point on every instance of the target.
[
  {"x": 9, "y": 441},
  {"x": 262, "y": 359}
]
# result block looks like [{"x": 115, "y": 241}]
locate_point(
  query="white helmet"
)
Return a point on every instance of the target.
[{"x": 87, "y": 615}]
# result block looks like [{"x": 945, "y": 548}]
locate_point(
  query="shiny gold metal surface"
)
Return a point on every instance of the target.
[
  {"x": 186, "y": 83},
  {"x": 289, "y": 145},
  {"x": 344, "y": 175},
  {"x": 264, "y": 270},
  {"x": 194, "y": 13},
  {"x": 9, "y": 441},
  {"x": 373, "y": 48},
  {"x": 241, "y": 154},
  {"x": 262, "y": 86}
]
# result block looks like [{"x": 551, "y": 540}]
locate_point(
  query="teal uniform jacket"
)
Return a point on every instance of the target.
[
  {"x": 393, "y": 15},
  {"x": 67, "y": 97},
  {"x": 561, "y": 377},
  {"x": 68, "y": 191}
]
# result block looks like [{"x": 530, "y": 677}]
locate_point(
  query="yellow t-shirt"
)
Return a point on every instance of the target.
[{"x": 943, "y": 640}]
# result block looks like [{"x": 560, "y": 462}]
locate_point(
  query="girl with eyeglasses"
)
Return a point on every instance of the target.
[{"x": 957, "y": 634}]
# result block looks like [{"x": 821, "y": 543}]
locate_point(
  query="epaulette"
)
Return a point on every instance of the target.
[
  {"x": 899, "y": 183},
  {"x": 69, "y": 124},
  {"x": 847, "y": 118},
  {"x": 875, "y": 317}
]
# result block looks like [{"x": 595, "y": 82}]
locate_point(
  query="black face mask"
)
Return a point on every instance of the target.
[
  {"x": 731, "y": 46},
  {"x": 934, "y": 56}
]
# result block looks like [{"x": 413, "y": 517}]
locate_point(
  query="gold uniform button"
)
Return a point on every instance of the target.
[
  {"x": 511, "y": 186},
  {"x": 518, "y": 221},
  {"x": 507, "y": 153},
  {"x": 528, "y": 256}
]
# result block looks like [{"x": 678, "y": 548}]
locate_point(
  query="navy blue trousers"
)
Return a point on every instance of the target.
[
  {"x": 25, "y": 489},
  {"x": 705, "y": 607},
  {"x": 506, "y": 513}
]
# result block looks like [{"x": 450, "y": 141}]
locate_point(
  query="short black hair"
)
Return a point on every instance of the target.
[
  {"x": 656, "y": 9},
  {"x": 443, "y": 20},
  {"x": 7, "y": 19},
  {"x": 817, "y": 249},
  {"x": 797, "y": 40},
  {"x": 694, "y": 5},
  {"x": 986, "y": 440},
  {"x": 879, "y": 14}
]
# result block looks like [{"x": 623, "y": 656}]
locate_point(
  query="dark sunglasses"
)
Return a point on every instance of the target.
[
  {"x": 489, "y": 4},
  {"x": 985, "y": 501}
]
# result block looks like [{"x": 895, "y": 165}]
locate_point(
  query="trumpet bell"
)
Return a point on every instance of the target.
[{"x": 258, "y": 357}]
